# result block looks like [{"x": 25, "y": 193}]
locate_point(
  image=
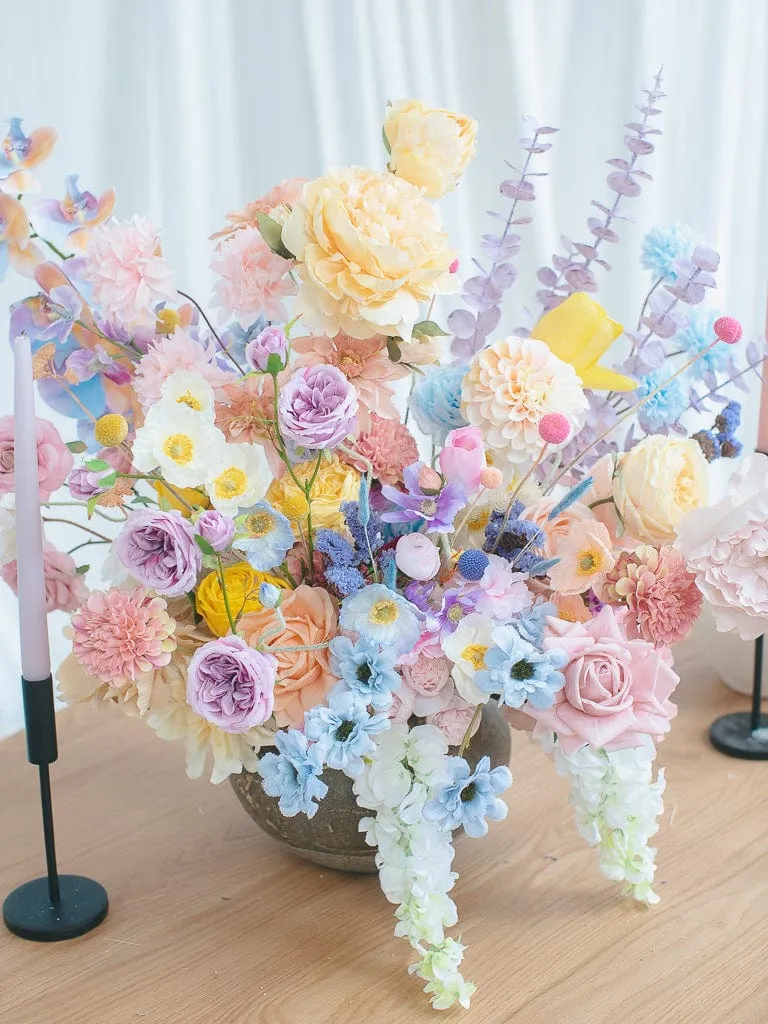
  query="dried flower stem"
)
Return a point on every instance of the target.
[
  {"x": 225, "y": 595},
  {"x": 470, "y": 728},
  {"x": 80, "y": 526},
  {"x": 224, "y": 348}
]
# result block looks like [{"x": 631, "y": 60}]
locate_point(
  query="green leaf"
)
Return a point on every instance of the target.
[
  {"x": 393, "y": 349},
  {"x": 77, "y": 447},
  {"x": 204, "y": 546},
  {"x": 81, "y": 570},
  {"x": 272, "y": 234},
  {"x": 385, "y": 140},
  {"x": 97, "y": 465},
  {"x": 274, "y": 363},
  {"x": 108, "y": 480},
  {"x": 141, "y": 499},
  {"x": 92, "y": 503},
  {"x": 428, "y": 329},
  {"x": 196, "y": 615}
]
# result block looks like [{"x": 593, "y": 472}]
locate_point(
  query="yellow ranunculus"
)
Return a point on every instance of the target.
[
  {"x": 242, "y": 584},
  {"x": 428, "y": 147},
  {"x": 335, "y": 482},
  {"x": 580, "y": 332},
  {"x": 198, "y": 499}
]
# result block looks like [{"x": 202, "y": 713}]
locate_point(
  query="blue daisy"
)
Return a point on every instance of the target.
[{"x": 264, "y": 535}]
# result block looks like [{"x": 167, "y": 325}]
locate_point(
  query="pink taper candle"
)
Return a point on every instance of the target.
[{"x": 35, "y": 655}]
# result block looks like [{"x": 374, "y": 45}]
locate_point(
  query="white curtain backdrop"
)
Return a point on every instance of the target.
[{"x": 191, "y": 107}]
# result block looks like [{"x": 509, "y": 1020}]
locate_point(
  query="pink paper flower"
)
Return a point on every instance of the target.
[
  {"x": 231, "y": 685},
  {"x": 178, "y": 351},
  {"x": 389, "y": 447},
  {"x": 318, "y": 407},
  {"x": 557, "y": 529},
  {"x": 54, "y": 459},
  {"x": 65, "y": 588},
  {"x": 253, "y": 279},
  {"x": 454, "y": 719},
  {"x": 501, "y": 593},
  {"x": 585, "y": 557},
  {"x": 118, "y": 636},
  {"x": 417, "y": 556},
  {"x": 128, "y": 275},
  {"x": 244, "y": 408},
  {"x": 279, "y": 199},
  {"x": 427, "y": 675},
  {"x": 616, "y": 690},
  {"x": 462, "y": 458}
]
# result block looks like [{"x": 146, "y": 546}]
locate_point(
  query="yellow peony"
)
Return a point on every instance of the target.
[
  {"x": 370, "y": 248},
  {"x": 580, "y": 332},
  {"x": 336, "y": 482},
  {"x": 656, "y": 483},
  {"x": 429, "y": 147},
  {"x": 242, "y": 584}
]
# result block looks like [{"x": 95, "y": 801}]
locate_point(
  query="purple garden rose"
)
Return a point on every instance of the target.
[
  {"x": 216, "y": 528},
  {"x": 258, "y": 351},
  {"x": 83, "y": 483},
  {"x": 318, "y": 407},
  {"x": 160, "y": 550},
  {"x": 231, "y": 685}
]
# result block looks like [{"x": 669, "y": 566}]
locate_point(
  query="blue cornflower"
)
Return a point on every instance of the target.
[
  {"x": 336, "y": 547},
  {"x": 666, "y": 407},
  {"x": 531, "y": 623},
  {"x": 697, "y": 334},
  {"x": 373, "y": 528},
  {"x": 264, "y": 535},
  {"x": 520, "y": 672},
  {"x": 344, "y": 578},
  {"x": 382, "y": 616},
  {"x": 664, "y": 244},
  {"x": 343, "y": 730},
  {"x": 293, "y": 774},
  {"x": 436, "y": 401},
  {"x": 367, "y": 671},
  {"x": 470, "y": 797},
  {"x": 517, "y": 535}
]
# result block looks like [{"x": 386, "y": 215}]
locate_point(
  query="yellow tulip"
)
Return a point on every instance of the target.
[{"x": 580, "y": 332}]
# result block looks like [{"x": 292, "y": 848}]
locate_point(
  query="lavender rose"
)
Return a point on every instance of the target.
[
  {"x": 83, "y": 483},
  {"x": 318, "y": 407},
  {"x": 216, "y": 528},
  {"x": 270, "y": 340},
  {"x": 159, "y": 549},
  {"x": 231, "y": 685}
]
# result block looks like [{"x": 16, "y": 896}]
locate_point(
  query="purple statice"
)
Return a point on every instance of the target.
[
  {"x": 514, "y": 539},
  {"x": 346, "y": 579},
  {"x": 366, "y": 534},
  {"x": 388, "y": 568},
  {"x": 436, "y": 507},
  {"x": 336, "y": 548}
]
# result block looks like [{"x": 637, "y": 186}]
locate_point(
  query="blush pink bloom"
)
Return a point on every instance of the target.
[
  {"x": 501, "y": 592},
  {"x": 128, "y": 275},
  {"x": 426, "y": 688},
  {"x": 558, "y": 528},
  {"x": 278, "y": 199},
  {"x": 65, "y": 588},
  {"x": 118, "y": 636},
  {"x": 428, "y": 676},
  {"x": 387, "y": 444},
  {"x": 417, "y": 556},
  {"x": 178, "y": 351},
  {"x": 54, "y": 459},
  {"x": 616, "y": 690},
  {"x": 243, "y": 409},
  {"x": 585, "y": 555},
  {"x": 462, "y": 458},
  {"x": 454, "y": 719},
  {"x": 254, "y": 281}
]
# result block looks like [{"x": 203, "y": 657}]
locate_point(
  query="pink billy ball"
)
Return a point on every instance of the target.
[
  {"x": 728, "y": 329},
  {"x": 554, "y": 428}
]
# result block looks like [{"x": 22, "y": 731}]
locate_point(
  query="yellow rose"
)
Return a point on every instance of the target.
[
  {"x": 370, "y": 248},
  {"x": 335, "y": 482},
  {"x": 428, "y": 147},
  {"x": 656, "y": 483},
  {"x": 242, "y": 584}
]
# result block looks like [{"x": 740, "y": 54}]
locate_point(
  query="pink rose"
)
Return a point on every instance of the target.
[
  {"x": 65, "y": 589},
  {"x": 462, "y": 458},
  {"x": 453, "y": 720},
  {"x": 417, "y": 556},
  {"x": 54, "y": 459},
  {"x": 401, "y": 708},
  {"x": 427, "y": 675},
  {"x": 616, "y": 690}
]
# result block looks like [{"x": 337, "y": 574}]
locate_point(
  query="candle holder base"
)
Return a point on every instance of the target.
[
  {"x": 29, "y": 913},
  {"x": 733, "y": 735}
]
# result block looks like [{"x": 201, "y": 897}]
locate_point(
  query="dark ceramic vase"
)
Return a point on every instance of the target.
[{"x": 332, "y": 837}]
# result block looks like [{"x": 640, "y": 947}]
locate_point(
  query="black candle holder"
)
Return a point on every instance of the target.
[
  {"x": 57, "y": 906},
  {"x": 744, "y": 734}
]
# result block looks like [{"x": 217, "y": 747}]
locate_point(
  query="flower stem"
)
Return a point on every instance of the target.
[
  {"x": 225, "y": 595},
  {"x": 52, "y": 247},
  {"x": 211, "y": 328},
  {"x": 80, "y": 526},
  {"x": 470, "y": 729},
  {"x": 310, "y": 536},
  {"x": 536, "y": 463}
]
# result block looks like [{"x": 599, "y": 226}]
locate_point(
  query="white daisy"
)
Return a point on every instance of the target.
[
  {"x": 237, "y": 479},
  {"x": 467, "y": 647},
  {"x": 183, "y": 444},
  {"x": 190, "y": 389}
]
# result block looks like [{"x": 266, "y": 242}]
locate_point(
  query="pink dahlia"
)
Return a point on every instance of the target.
[
  {"x": 254, "y": 280},
  {"x": 246, "y": 409},
  {"x": 178, "y": 351},
  {"x": 118, "y": 636},
  {"x": 278, "y": 200},
  {"x": 388, "y": 445},
  {"x": 660, "y": 592},
  {"x": 128, "y": 275}
]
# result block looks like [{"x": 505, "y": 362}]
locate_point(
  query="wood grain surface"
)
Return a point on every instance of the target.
[{"x": 211, "y": 922}]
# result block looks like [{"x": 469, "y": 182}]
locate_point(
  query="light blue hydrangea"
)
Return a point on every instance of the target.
[
  {"x": 366, "y": 670},
  {"x": 382, "y": 617},
  {"x": 293, "y": 774},
  {"x": 531, "y": 623},
  {"x": 520, "y": 672},
  {"x": 264, "y": 536},
  {"x": 470, "y": 798},
  {"x": 667, "y": 405},
  {"x": 694, "y": 338},
  {"x": 664, "y": 244},
  {"x": 436, "y": 401},
  {"x": 342, "y": 731}
]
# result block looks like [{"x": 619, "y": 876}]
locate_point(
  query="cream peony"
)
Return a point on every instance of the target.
[
  {"x": 370, "y": 248},
  {"x": 429, "y": 147},
  {"x": 726, "y": 547},
  {"x": 656, "y": 483},
  {"x": 510, "y": 385}
]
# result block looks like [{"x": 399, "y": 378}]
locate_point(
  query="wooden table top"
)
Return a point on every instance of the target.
[{"x": 211, "y": 922}]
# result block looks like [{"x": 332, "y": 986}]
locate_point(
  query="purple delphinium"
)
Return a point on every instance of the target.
[
  {"x": 436, "y": 507},
  {"x": 335, "y": 547},
  {"x": 363, "y": 534}
]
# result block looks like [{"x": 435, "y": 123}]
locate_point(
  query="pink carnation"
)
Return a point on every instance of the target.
[
  {"x": 284, "y": 195},
  {"x": 128, "y": 275},
  {"x": 179, "y": 351},
  {"x": 388, "y": 445},
  {"x": 54, "y": 459},
  {"x": 254, "y": 280},
  {"x": 118, "y": 636},
  {"x": 65, "y": 588}
]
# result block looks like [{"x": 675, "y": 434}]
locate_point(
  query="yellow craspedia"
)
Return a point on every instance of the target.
[
  {"x": 335, "y": 483},
  {"x": 242, "y": 585},
  {"x": 167, "y": 321},
  {"x": 111, "y": 430},
  {"x": 196, "y": 498}
]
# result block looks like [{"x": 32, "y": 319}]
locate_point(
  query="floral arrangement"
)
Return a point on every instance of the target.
[{"x": 337, "y": 532}]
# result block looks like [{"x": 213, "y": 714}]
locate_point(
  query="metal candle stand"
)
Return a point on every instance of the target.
[
  {"x": 744, "y": 734},
  {"x": 57, "y": 906}
]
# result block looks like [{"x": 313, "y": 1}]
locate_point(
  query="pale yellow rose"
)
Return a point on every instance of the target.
[
  {"x": 656, "y": 483},
  {"x": 428, "y": 147},
  {"x": 369, "y": 249},
  {"x": 335, "y": 482}
]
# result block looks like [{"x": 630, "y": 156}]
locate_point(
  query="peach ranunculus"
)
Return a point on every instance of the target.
[
  {"x": 303, "y": 677},
  {"x": 276, "y": 202},
  {"x": 558, "y": 528},
  {"x": 428, "y": 146},
  {"x": 370, "y": 249}
]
